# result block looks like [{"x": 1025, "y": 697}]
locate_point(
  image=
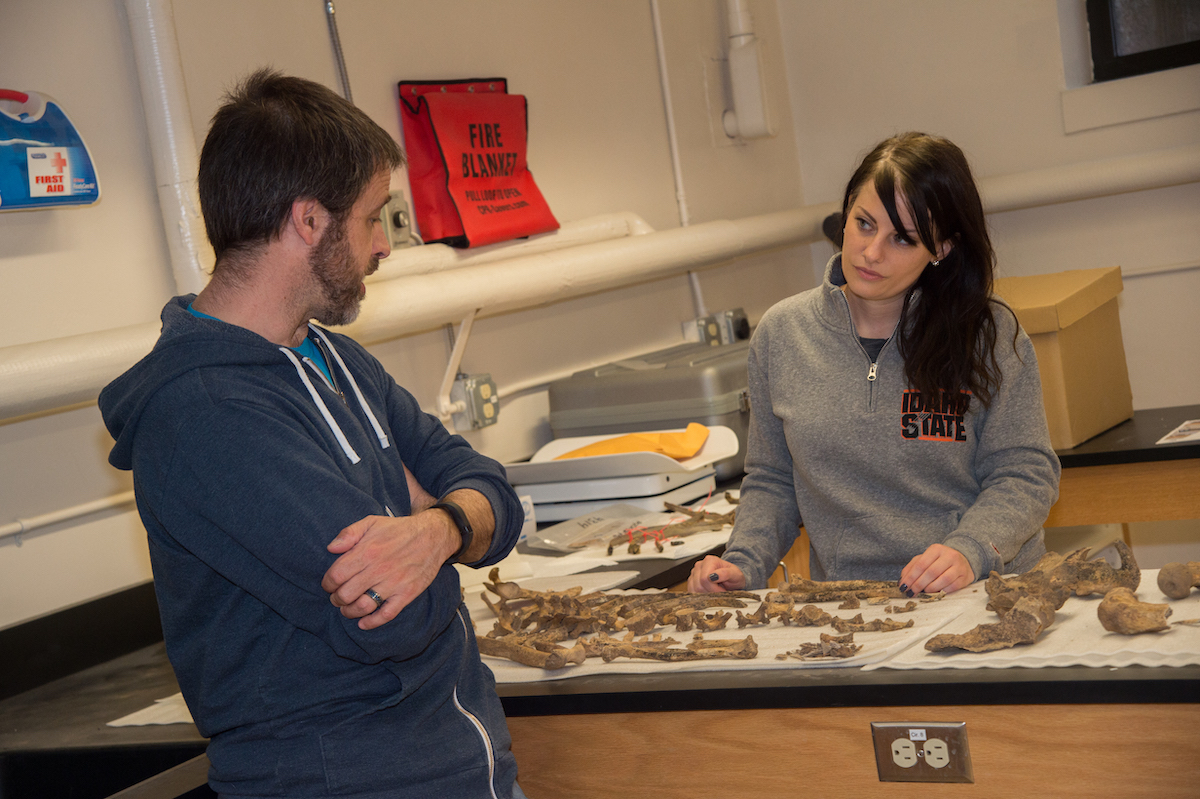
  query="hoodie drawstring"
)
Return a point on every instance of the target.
[
  {"x": 382, "y": 436},
  {"x": 329, "y": 420}
]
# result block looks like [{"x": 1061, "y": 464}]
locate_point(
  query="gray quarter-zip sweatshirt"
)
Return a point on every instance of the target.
[{"x": 842, "y": 445}]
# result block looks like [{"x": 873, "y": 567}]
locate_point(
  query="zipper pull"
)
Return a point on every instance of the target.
[{"x": 872, "y": 372}]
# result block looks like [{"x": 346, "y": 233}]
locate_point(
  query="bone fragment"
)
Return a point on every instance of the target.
[
  {"x": 755, "y": 619},
  {"x": 1097, "y": 577},
  {"x": 829, "y": 647},
  {"x": 1121, "y": 612},
  {"x": 857, "y": 625},
  {"x": 1024, "y": 622},
  {"x": 609, "y": 649},
  {"x": 1056, "y": 577},
  {"x": 525, "y": 655},
  {"x": 837, "y": 590},
  {"x": 807, "y": 616},
  {"x": 1176, "y": 580},
  {"x": 712, "y": 621},
  {"x": 705, "y": 623}
]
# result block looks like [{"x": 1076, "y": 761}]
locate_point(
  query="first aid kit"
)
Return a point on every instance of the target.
[{"x": 44, "y": 162}]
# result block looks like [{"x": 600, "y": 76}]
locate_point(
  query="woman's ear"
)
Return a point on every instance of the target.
[{"x": 944, "y": 249}]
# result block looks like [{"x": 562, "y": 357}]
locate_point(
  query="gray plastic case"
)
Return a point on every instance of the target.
[{"x": 661, "y": 390}]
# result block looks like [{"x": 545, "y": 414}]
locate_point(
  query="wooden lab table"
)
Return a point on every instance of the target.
[
  {"x": 1122, "y": 476},
  {"x": 1061, "y": 732}
]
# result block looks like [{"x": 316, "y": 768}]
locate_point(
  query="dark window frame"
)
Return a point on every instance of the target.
[{"x": 1107, "y": 65}]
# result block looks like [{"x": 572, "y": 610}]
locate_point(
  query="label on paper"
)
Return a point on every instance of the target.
[{"x": 1187, "y": 431}]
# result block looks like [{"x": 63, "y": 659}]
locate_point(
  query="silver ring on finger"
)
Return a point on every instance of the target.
[{"x": 375, "y": 597}]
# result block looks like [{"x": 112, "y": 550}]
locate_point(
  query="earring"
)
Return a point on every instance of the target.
[{"x": 935, "y": 262}]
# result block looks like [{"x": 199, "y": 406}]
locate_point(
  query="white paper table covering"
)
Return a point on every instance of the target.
[
  {"x": 1075, "y": 639},
  {"x": 771, "y": 639}
]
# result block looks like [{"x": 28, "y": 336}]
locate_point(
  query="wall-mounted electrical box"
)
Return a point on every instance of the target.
[
  {"x": 397, "y": 221},
  {"x": 478, "y": 393},
  {"x": 43, "y": 160},
  {"x": 722, "y": 327}
]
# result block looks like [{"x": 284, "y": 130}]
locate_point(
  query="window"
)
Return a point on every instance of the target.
[{"x": 1133, "y": 37}]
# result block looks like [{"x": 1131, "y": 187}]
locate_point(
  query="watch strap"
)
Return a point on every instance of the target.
[{"x": 459, "y": 517}]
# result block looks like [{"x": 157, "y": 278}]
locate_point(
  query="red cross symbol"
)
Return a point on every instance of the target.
[{"x": 58, "y": 162}]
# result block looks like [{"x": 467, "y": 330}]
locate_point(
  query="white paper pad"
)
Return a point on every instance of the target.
[
  {"x": 562, "y": 511},
  {"x": 1075, "y": 639},
  {"x": 1186, "y": 431},
  {"x": 929, "y": 618},
  {"x": 169, "y": 710},
  {"x": 551, "y": 566},
  {"x": 515, "y": 566}
]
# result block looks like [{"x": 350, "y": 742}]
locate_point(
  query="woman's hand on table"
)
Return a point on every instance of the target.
[
  {"x": 713, "y": 575},
  {"x": 938, "y": 568}
]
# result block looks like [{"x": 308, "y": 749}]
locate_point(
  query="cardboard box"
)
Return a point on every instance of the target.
[{"x": 1072, "y": 319}]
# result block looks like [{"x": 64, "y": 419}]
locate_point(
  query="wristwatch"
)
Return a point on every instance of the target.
[{"x": 462, "y": 523}]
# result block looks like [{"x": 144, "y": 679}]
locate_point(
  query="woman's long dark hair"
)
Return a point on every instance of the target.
[{"x": 948, "y": 329}]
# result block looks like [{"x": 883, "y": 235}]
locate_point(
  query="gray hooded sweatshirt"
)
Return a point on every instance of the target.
[{"x": 874, "y": 475}]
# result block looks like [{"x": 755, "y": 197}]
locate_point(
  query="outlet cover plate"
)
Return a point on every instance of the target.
[
  {"x": 397, "y": 221},
  {"x": 922, "y": 751}
]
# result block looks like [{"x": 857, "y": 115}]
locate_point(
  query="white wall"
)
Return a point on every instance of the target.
[
  {"x": 988, "y": 75},
  {"x": 598, "y": 144}
]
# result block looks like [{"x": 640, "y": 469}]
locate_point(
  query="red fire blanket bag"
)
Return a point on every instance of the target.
[{"x": 465, "y": 142}]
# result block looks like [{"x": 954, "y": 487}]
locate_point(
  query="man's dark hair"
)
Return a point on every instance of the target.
[{"x": 276, "y": 139}]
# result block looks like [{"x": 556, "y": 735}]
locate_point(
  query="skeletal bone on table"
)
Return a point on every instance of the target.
[
  {"x": 1121, "y": 612},
  {"x": 831, "y": 647},
  {"x": 1055, "y": 577},
  {"x": 552, "y": 657},
  {"x": 857, "y": 625},
  {"x": 688, "y": 619},
  {"x": 531, "y": 626},
  {"x": 696, "y": 521},
  {"x": 1176, "y": 580},
  {"x": 608, "y": 649},
  {"x": 783, "y": 608},
  {"x": 838, "y": 590},
  {"x": 556, "y": 616},
  {"x": 1022, "y": 624}
]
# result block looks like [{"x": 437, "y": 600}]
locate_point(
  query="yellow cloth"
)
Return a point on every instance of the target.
[{"x": 674, "y": 445}]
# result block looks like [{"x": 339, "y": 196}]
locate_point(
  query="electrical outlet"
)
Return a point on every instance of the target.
[
  {"x": 478, "y": 393},
  {"x": 710, "y": 330},
  {"x": 734, "y": 324},
  {"x": 396, "y": 221},
  {"x": 722, "y": 327},
  {"x": 910, "y": 751}
]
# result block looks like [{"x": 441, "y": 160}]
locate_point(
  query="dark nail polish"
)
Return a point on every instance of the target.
[
  {"x": 903, "y": 587},
  {"x": 910, "y": 593},
  {"x": 712, "y": 578}
]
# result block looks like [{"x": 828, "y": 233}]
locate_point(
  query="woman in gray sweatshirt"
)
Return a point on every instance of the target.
[{"x": 896, "y": 410}]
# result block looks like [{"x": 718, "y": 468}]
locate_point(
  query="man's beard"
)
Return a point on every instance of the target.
[{"x": 332, "y": 265}]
